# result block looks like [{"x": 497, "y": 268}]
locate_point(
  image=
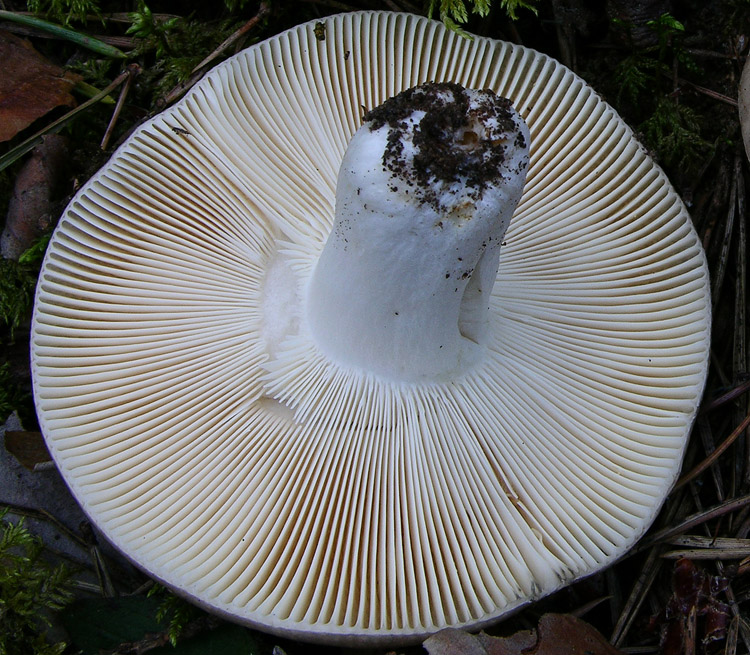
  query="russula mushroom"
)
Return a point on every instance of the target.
[
  {"x": 424, "y": 195},
  {"x": 206, "y": 399}
]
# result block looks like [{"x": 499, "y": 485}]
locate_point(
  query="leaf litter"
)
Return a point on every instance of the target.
[{"x": 30, "y": 86}]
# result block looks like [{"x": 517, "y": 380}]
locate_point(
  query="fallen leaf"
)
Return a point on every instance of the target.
[
  {"x": 563, "y": 634},
  {"x": 521, "y": 642},
  {"x": 30, "y": 85},
  {"x": 557, "y": 634},
  {"x": 695, "y": 595},
  {"x": 27, "y": 447},
  {"x": 31, "y": 205},
  {"x": 454, "y": 642}
]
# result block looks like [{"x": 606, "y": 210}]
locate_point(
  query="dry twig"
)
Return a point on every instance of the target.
[{"x": 198, "y": 72}]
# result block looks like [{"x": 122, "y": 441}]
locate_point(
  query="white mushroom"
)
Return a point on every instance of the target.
[
  {"x": 424, "y": 196},
  {"x": 201, "y": 386}
]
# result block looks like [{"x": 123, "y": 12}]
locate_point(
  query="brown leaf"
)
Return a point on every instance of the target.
[
  {"x": 453, "y": 642},
  {"x": 557, "y": 634},
  {"x": 30, "y": 210},
  {"x": 563, "y": 634},
  {"x": 522, "y": 641},
  {"x": 30, "y": 86},
  {"x": 27, "y": 447},
  {"x": 695, "y": 611}
]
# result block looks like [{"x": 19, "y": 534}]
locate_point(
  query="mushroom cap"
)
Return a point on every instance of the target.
[{"x": 249, "y": 474}]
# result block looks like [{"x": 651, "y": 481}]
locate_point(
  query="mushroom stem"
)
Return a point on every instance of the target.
[{"x": 424, "y": 196}]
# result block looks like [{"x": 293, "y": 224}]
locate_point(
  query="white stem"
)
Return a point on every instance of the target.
[{"x": 424, "y": 196}]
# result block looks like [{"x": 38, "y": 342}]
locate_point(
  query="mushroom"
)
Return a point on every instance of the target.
[
  {"x": 207, "y": 399},
  {"x": 424, "y": 195}
]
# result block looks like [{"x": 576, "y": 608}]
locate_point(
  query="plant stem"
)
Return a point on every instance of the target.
[
  {"x": 119, "y": 106},
  {"x": 64, "y": 33},
  {"x": 22, "y": 148}
]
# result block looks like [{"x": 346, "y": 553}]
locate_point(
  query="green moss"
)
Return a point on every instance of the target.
[
  {"x": 673, "y": 130},
  {"x": 97, "y": 72},
  {"x": 29, "y": 589},
  {"x": 171, "y": 50},
  {"x": 455, "y": 13},
  {"x": 64, "y": 11},
  {"x": 173, "y": 611},
  {"x": 635, "y": 76},
  {"x": 17, "y": 283},
  {"x": 642, "y": 89}
]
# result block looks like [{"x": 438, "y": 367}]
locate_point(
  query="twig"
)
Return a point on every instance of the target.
[
  {"x": 693, "y": 520},
  {"x": 726, "y": 241},
  {"x": 142, "y": 589},
  {"x": 614, "y": 589},
  {"x": 640, "y": 589},
  {"x": 739, "y": 359},
  {"x": 707, "y": 553},
  {"x": 710, "y": 93},
  {"x": 133, "y": 70},
  {"x": 703, "y": 426},
  {"x": 156, "y": 640},
  {"x": 712, "y": 457},
  {"x": 728, "y": 592},
  {"x": 64, "y": 33},
  {"x": 708, "y": 221},
  {"x": 691, "y": 628},
  {"x": 698, "y": 52},
  {"x": 43, "y": 515},
  {"x": 696, "y": 541},
  {"x": 100, "y": 566},
  {"x": 88, "y": 587},
  {"x": 584, "y": 609},
  {"x": 740, "y": 326},
  {"x": 730, "y": 647},
  {"x": 263, "y": 10},
  {"x": 22, "y": 148},
  {"x": 124, "y": 17},
  {"x": 729, "y": 396},
  {"x": 102, "y": 572},
  {"x": 116, "y": 41},
  {"x": 636, "y": 598},
  {"x": 198, "y": 72},
  {"x": 743, "y": 520}
]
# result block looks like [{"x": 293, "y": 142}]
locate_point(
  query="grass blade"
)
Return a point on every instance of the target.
[{"x": 64, "y": 33}]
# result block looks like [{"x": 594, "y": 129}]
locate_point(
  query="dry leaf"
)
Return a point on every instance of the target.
[
  {"x": 454, "y": 642},
  {"x": 557, "y": 634},
  {"x": 27, "y": 447},
  {"x": 563, "y": 634},
  {"x": 31, "y": 206},
  {"x": 521, "y": 642},
  {"x": 30, "y": 86},
  {"x": 695, "y": 612}
]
